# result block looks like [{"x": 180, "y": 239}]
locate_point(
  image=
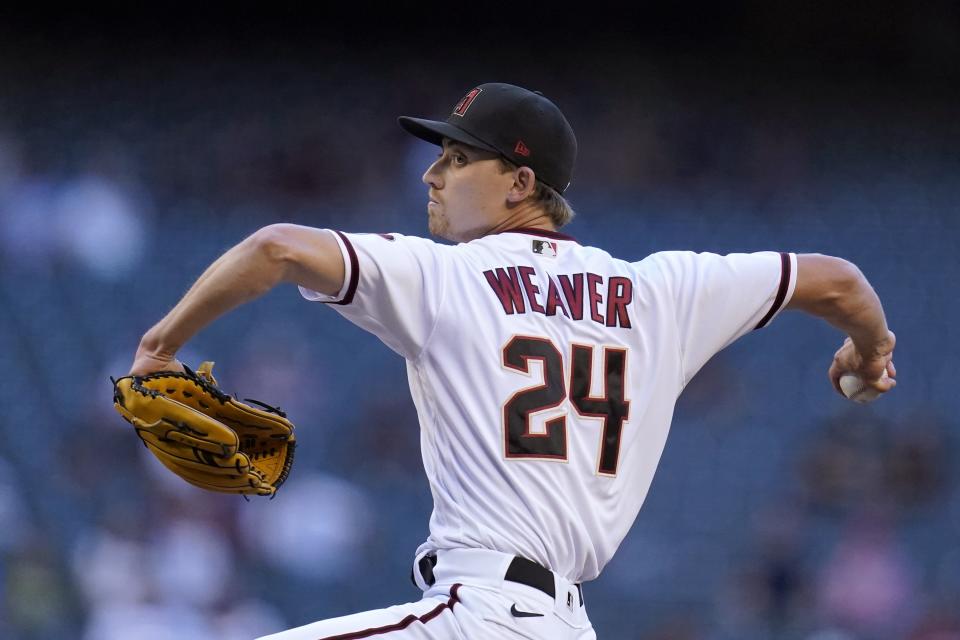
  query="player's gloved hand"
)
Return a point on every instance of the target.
[
  {"x": 205, "y": 436},
  {"x": 875, "y": 368}
]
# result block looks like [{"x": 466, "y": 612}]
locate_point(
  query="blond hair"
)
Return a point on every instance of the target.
[{"x": 546, "y": 197}]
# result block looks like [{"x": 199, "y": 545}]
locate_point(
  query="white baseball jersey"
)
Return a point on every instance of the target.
[{"x": 545, "y": 374}]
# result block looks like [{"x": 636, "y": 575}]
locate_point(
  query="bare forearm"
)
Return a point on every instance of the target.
[
  {"x": 245, "y": 272},
  {"x": 859, "y": 314},
  {"x": 274, "y": 254},
  {"x": 838, "y": 292}
]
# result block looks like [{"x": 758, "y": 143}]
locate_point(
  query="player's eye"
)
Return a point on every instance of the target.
[{"x": 455, "y": 156}]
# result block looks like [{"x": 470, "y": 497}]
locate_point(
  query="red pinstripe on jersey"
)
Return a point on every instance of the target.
[
  {"x": 781, "y": 292},
  {"x": 354, "y": 270},
  {"x": 546, "y": 233}
]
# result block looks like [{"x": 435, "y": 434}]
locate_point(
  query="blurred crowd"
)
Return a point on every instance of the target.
[{"x": 780, "y": 511}]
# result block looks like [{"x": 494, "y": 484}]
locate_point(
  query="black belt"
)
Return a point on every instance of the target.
[{"x": 520, "y": 570}]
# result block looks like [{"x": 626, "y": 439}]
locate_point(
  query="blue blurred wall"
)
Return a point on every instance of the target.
[{"x": 126, "y": 167}]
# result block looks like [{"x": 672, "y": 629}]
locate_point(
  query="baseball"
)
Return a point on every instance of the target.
[{"x": 856, "y": 389}]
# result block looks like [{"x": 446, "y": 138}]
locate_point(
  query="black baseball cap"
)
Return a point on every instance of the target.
[{"x": 522, "y": 126}]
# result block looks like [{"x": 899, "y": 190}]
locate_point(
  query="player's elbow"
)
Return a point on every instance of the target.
[
  {"x": 825, "y": 283},
  {"x": 301, "y": 255},
  {"x": 839, "y": 280},
  {"x": 275, "y": 243}
]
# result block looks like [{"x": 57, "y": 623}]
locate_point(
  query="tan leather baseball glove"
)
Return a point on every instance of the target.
[{"x": 205, "y": 436}]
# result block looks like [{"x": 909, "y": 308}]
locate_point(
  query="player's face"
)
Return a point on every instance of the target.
[{"x": 467, "y": 192}]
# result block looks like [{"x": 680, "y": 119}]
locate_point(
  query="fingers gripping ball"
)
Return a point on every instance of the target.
[
  {"x": 205, "y": 436},
  {"x": 856, "y": 388}
]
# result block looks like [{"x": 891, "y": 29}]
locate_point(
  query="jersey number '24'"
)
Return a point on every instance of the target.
[{"x": 612, "y": 406}]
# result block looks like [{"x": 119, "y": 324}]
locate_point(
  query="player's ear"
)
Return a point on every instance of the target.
[{"x": 524, "y": 184}]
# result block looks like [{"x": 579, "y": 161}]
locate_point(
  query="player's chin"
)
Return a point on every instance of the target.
[{"x": 437, "y": 224}]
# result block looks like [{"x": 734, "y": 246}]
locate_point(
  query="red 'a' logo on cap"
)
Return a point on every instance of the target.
[
  {"x": 466, "y": 101},
  {"x": 521, "y": 149}
]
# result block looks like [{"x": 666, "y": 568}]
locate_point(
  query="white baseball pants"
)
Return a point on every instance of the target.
[{"x": 470, "y": 600}]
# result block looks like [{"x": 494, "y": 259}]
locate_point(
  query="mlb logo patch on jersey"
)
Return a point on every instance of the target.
[{"x": 545, "y": 248}]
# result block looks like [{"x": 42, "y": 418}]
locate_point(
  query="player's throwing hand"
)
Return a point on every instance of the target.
[{"x": 869, "y": 367}]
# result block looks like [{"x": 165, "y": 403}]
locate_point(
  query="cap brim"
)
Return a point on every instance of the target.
[{"x": 434, "y": 132}]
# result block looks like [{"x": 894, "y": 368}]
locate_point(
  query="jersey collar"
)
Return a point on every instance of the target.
[{"x": 546, "y": 233}]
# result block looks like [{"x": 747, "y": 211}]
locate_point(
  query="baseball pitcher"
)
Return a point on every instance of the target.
[{"x": 544, "y": 372}]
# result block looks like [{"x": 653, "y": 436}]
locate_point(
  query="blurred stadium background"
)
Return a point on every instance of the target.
[{"x": 136, "y": 148}]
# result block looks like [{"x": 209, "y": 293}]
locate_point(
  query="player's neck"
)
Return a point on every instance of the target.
[{"x": 526, "y": 218}]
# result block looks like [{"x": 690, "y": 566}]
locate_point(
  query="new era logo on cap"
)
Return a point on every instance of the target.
[
  {"x": 465, "y": 102},
  {"x": 521, "y": 149}
]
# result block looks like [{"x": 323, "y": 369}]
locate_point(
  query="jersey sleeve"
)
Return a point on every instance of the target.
[
  {"x": 392, "y": 287},
  {"x": 717, "y": 299}
]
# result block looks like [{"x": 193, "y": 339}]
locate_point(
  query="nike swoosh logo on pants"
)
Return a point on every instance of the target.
[{"x": 523, "y": 614}]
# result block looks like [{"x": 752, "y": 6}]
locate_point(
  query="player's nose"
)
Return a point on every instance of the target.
[{"x": 431, "y": 177}]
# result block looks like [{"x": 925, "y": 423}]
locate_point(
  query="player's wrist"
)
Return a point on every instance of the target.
[
  {"x": 158, "y": 344},
  {"x": 876, "y": 346}
]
